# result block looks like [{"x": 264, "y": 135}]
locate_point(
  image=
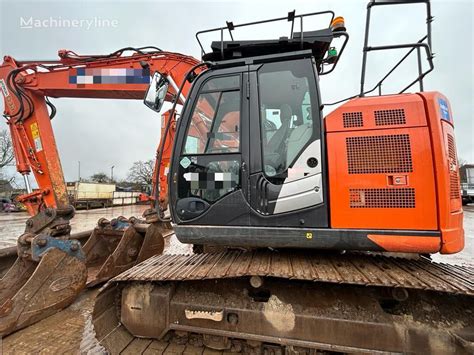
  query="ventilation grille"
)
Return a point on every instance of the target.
[
  {"x": 352, "y": 119},
  {"x": 379, "y": 154},
  {"x": 382, "y": 198},
  {"x": 454, "y": 185},
  {"x": 390, "y": 117}
]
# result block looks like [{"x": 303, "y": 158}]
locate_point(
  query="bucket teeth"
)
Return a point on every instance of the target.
[{"x": 122, "y": 258}]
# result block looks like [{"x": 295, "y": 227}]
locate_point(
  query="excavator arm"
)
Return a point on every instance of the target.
[
  {"x": 26, "y": 87},
  {"x": 52, "y": 266}
]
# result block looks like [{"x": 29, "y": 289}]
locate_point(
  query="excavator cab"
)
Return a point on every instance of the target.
[
  {"x": 266, "y": 165},
  {"x": 239, "y": 161},
  {"x": 259, "y": 161}
]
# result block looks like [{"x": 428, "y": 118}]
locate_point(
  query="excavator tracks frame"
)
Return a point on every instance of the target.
[{"x": 287, "y": 302}]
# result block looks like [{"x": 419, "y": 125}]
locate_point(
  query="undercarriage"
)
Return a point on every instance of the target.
[{"x": 224, "y": 301}]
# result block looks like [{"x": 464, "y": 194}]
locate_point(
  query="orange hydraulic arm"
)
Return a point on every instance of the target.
[{"x": 26, "y": 86}]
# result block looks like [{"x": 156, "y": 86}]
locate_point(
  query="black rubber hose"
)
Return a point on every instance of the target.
[{"x": 52, "y": 107}]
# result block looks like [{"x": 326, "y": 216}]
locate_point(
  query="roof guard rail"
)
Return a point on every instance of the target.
[
  {"x": 291, "y": 17},
  {"x": 421, "y": 44}
]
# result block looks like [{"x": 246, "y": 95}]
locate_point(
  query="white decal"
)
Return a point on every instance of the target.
[
  {"x": 185, "y": 162},
  {"x": 4, "y": 88}
]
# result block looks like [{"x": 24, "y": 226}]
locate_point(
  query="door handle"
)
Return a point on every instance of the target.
[{"x": 191, "y": 207}]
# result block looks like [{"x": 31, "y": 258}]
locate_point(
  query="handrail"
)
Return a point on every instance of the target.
[
  {"x": 290, "y": 18},
  {"x": 413, "y": 46},
  {"x": 346, "y": 39},
  {"x": 421, "y": 75}
]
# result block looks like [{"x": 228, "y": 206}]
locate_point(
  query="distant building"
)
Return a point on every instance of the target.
[
  {"x": 93, "y": 194},
  {"x": 466, "y": 173},
  {"x": 6, "y": 189}
]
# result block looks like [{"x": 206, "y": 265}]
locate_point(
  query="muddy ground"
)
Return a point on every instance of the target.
[{"x": 71, "y": 332}]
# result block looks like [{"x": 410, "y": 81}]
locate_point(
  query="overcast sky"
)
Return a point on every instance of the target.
[{"x": 102, "y": 133}]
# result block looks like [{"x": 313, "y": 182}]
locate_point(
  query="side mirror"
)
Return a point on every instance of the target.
[{"x": 156, "y": 93}]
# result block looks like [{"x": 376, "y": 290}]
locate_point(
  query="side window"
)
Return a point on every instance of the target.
[
  {"x": 201, "y": 123},
  {"x": 215, "y": 123},
  {"x": 288, "y": 102},
  {"x": 225, "y": 134},
  {"x": 209, "y": 167}
]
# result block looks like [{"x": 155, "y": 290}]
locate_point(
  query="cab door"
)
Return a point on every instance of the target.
[
  {"x": 209, "y": 175},
  {"x": 287, "y": 177}
]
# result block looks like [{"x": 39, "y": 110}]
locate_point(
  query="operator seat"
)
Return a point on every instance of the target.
[
  {"x": 277, "y": 143},
  {"x": 298, "y": 138},
  {"x": 269, "y": 128}
]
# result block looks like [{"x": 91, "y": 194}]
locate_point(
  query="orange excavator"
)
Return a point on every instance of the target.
[
  {"x": 52, "y": 267},
  {"x": 290, "y": 213}
]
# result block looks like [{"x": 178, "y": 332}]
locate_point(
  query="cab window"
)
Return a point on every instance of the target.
[
  {"x": 215, "y": 123},
  {"x": 288, "y": 103}
]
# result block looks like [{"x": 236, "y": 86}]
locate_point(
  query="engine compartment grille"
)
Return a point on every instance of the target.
[
  {"x": 454, "y": 184},
  {"x": 352, "y": 119},
  {"x": 379, "y": 154},
  {"x": 390, "y": 117},
  {"x": 382, "y": 198}
]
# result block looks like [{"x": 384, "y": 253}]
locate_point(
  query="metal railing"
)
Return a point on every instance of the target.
[
  {"x": 291, "y": 17},
  {"x": 421, "y": 44}
]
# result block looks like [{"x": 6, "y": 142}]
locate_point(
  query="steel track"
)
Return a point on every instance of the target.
[{"x": 355, "y": 269}]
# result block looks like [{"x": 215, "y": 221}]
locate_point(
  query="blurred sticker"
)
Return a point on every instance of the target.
[
  {"x": 82, "y": 76},
  {"x": 211, "y": 181},
  {"x": 444, "y": 109},
  {"x": 185, "y": 162},
  {"x": 36, "y": 137},
  {"x": 298, "y": 172}
]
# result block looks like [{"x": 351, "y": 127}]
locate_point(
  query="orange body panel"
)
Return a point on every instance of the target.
[
  {"x": 391, "y": 166},
  {"x": 450, "y": 214},
  {"x": 381, "y": 176},
  {"x": 406, "y": 244}
]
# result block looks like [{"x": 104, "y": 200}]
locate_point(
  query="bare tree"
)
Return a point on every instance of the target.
[
  {"x": 141, "y": 172},
  {"x": 6, "y": 159},
  {"x": 100, "y": 177},
  {"x": 6, "y": 148}
]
